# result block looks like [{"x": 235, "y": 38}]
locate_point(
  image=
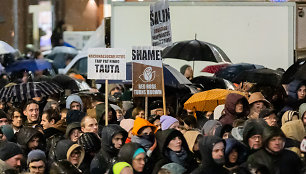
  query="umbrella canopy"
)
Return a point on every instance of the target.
[
  {"x": 215, "y": 68},
  {"x": 6, "y": 48},
  {"x": 60, "y": 54},
  {"x": 172, "y": 77},
  {"x": 193, "y": 50},
  {"x": 66, "y": 82},
  {"x": 208, "y": 83},
  {"x": 208, "y": 100},
  {"x": 30, "y": 65},
  {"x": 260, "y": 76},
  {"x": 231, "y": 71},
  {"x": 29, "y": 90},
  {"x": 295, "y": 71}
]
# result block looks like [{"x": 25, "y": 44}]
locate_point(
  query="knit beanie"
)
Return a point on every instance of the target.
[
  {"x": 183, "y": 68},
  {"x": 8, "y": 132},
  {"x": 118, "y": 167},
  {"x": 90, "y": 142},
  {"x": 127, "y": 124},
  {"x": 9, "y": 150},
  {"x": 167, "y": 121},
  {"x": 36, "y": 155}
]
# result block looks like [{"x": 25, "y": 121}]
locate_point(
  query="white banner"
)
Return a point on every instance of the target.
[
  {"x": 160, "y": 24},
  {"x": 107, "y": 63}
]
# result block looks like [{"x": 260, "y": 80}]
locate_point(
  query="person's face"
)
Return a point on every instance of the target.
[
  {"x": 175, "y": 125},
  {"x": 119, "y": 114},
  {"x": 15, "y": 161},
  {"x": 157, "y": 123},
  {"x": 33, "y": 143},
  {"x": 258, "y": 106},
  {"x": 188, "y": 72},
  {"x": 74, "y": 135},
  {"x": 140, "y": 114},
  {"x": 276, "y": 144},
  {"x": 45, "y": 123},
  {"x": 255, "y": 141},
  {"x": 159, "y": 111},
  {"x": 91, "y": 125},
  {"x": 301, "y": 93},
  {"x": 75, "y": 156},
  {"x": 139, "y": 162},
  {"x": 233, "y": 156},
  {"x": 175, "y": 144},
  {"x": 37, "y": 167},
  {"x": 17, "y": 119},
  {"x": 127, "y": 170},
  {"x": 115, "y": 91},
  {"x": 3, "y": 121},
  {"x": 32, "y": 112},
  {"x": 271, "y": 120},
  {"x": 117, "y": 141},
  {"x": 218, "y": 151},
  {"x": 239, "y": 107},
  {"x": 196, "y": 145},
  {"x": 146, "y": 131},
  {"x": 304, "y": 119},
  {"x": 226, "y": 135},
  {"x": 75, "y": 106}
]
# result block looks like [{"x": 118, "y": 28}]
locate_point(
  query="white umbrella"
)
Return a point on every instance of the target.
[{"x": 6, "y": 48}]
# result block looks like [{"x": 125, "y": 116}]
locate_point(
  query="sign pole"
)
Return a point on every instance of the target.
[
  {"x": 106, "y": 102},
  {"x": 163, "y": 89},
  {"x": 146, "y": 107}
]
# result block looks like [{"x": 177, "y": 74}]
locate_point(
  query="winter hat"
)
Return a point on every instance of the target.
[
  {"x": 36, "y": 155},
  {"x": 140, "y": 123},
  {"x": 90, "y": 142},
  {"x": 167, "y": 121},
  {"x": 118, "y": 167},
  {"x": 258, "y": 97},
  {"x": 71, "y": 126},
  {"x": 237, "y": 133},
  {"x": 266, "y": 112},
  {"x": 156, "y": 104},
  {"x": 127, "y": 124},
  {"x": 9, "y": 150},
  {"x": 218, "y": 111},
  {"x": 174, "y": 168},
  {"x": 73, "y": 98},
  {"x": 251, "y": 128},
  {"x": 209, "y": 126},
  {"x": 72, "y": 148},
  {"x": 74, "y": 116},
  {"x": 183, "y": 68},
  {"x": 8, "y": 131}
]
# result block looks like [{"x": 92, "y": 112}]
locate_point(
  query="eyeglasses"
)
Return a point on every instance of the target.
[{"x": 76, "y": 152}]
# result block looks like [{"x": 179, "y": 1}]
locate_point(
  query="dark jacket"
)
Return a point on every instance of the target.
[
  {"x": 230, "y": 106},
  {"x": 53, "y": 136},
  {"x": 108, "y": 153},
  {"x": 160, "y": 155},
  {"x": 209, "y": 166},
  {"x": 281, "y": 162}
]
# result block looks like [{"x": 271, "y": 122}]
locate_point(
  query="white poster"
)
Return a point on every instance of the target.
[
  {"x": 107, "y": 63},
  {"x": 160, "y": 24}
]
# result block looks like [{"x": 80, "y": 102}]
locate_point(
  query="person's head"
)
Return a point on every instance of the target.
[
  {"x": 273, "y": 139},
  {"x": 127, "y": 125},
  {"x": 74, "y": 102},
  {"x": 31, "y": 111},
  {"x": 49, "y": 118},
  {"x": 138, "y": 112},
  {"x": 118, "y": 140},
  {"x": 3, "y": 118},
  {"x": 16, "y": 118},
  {"x": 122, "y": 167},
  {"x": 175, "y": 144},
  {"x": 269, "y": 116},
  {"x": 113, "y": 137},
  {"x": 190, "y": 122},
  {"x": 252, "y": 134},
  {"x": 73, "y": 131},
  {"x": 34, "y": 142},
  {"x": 143, "y": 127},
  {"x": 258, "y": 102},
  {"x": 187, "y": 71},
  {"x": 302, "y": 113},
  {"x": 89, "y": 124},
  {"x": 75, "y": 154},
  {"x": 239, "y": 107},
  {"x": 218, "y": 151},
  {"x": 168, "y": 122},
  {"x": 11, "y": 154},
  {"x": 301, "y": 92},
  {"x": 115, "y": 90},
  {"x": 156, "y": 108},
  {"x": 139, "y": 160},
  {"x": 36, "y": 162}
]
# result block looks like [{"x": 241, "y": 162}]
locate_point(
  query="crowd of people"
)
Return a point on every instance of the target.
[{"x": 259, "y": 132}]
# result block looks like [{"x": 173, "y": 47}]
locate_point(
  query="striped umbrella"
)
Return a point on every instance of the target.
[{"x": 29, "y": 90}]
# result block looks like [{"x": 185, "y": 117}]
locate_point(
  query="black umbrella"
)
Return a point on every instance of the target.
[
  {"x": 208, "y": 83},
  {"x": 295, "y": 71},
  {"x": 195, "y": 50},
  {"x": 66, "y": 82},
  {"x": 260, "y": 76},
  {"x": 29, "y": 90}
]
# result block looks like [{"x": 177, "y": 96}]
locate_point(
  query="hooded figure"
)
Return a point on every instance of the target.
[
  {"x": 235, "y": 154},
  {"x": 164, "y": 154},
  {"x": 210, "y": 127},
  {"x": 108, "y": 153},
  {"x": 295, "y": 133},
  {"x": 289, "y": 116},
  {"x": 232, "y": 100},
  {"x": 253, "y": 128},
  {"x": 72, "y": 152},
  {"x": 73, "y": 98},
  {"x": 193, "y": 137},
  {"x": 255, "y": 99},
  {"x": 209, "y": 164},
  {"x": 273, "y": 157}
]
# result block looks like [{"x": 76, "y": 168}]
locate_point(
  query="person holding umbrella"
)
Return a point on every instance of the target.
[{"x": 187, "y": 71}]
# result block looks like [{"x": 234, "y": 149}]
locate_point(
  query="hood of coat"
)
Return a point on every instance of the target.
[
  {"x": 293, "y": 88},
  {"x": 140, "y": 123},
  {"x": 270, "y": 132},
  {"x": 74, "y": 98},
  {"x": 62, "y": 148},
  {"x": 100, "y": 111},
  {"x": 230, "y": 105},
  {"x": 288, "y": 116},
  {"x": 108, "y": 132},
  {"x": 26, "y": 133},
  {"x": 232, "y": 143},
  {"x": 72, "y": 148},
  {"x": 191, "y": 137},
  {"x": 252, "y": 127},
  {"x": 302, "y": 110},
  {"x": 294, "y": 130},
  {"x": 127, "y": 151},
  {"x": 206, "y": 146},
  {"x": 71, "y": 126}
]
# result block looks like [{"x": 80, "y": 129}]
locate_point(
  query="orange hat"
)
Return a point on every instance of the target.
[{"x": 140, "y": 123}]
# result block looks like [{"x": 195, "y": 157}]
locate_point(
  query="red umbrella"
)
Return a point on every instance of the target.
[{"x": 214, "y": 68}]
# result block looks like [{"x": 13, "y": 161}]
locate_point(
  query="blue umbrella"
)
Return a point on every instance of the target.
[
  {"x": 233, "y": 70},
  {"x": 172, "y": 77},
  {"x": 30, "y": 65}
]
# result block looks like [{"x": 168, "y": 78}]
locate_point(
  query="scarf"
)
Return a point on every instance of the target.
[{"x": 178, "y": 157}]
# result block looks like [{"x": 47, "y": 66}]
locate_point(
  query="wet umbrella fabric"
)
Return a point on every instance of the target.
[
  {"x": 295, "y": 71},
  {"x": 208, "y": 83},
  {"x": 172, "y": 77},
  {"x": 60, "y": 54},
  {"x": 260, "y": 76},
  {"x": 231, "y": 71},
  {"x": 30, "y": 65},
  {"x": 6, "y": 48},
  {"x": 29, "y": 90},
  {"x": 66, "y": 82},
  {"x": 195, "y": 50}
]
